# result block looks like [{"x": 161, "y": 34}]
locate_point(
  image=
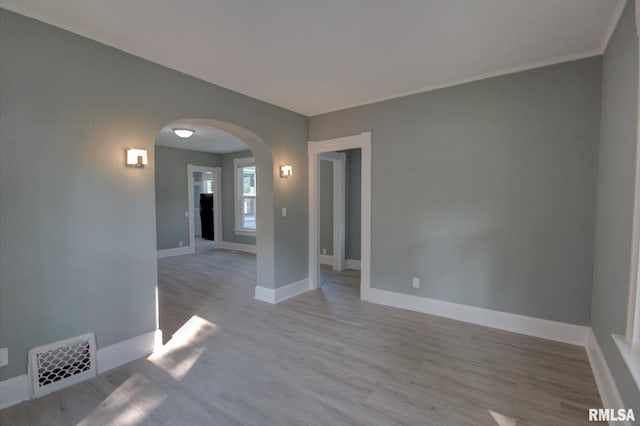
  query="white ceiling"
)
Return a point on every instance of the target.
[
  {"x": 205, "y": 138},
  {"x": 318, "y": 56}
]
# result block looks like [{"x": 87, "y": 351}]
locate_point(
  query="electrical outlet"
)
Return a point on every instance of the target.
[
  {"x": 4, "y": 356},
  {"x": 284, "y": 212},
  {"x": 180, "y": 243},
  {"x": 324, "y": 251},
  {"x": 416, "y": 282},
  {"x": 186, "y": 214}
]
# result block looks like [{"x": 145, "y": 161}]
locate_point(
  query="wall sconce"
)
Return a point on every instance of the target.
[
  {"x": 286, "y": 171},
  {"x": 136, "y": 157}
]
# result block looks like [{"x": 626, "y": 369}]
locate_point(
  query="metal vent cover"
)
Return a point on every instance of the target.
[{"x": 61, "y": 364}]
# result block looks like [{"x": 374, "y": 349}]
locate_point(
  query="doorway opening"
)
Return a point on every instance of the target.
[
  {"x": 255, "y": 234},
  {"x": 196, "y": 190},
  {"x": 205, "y": 207},
  {"x": 333, "y": 202},
  {"x": 333, "y": 152}
]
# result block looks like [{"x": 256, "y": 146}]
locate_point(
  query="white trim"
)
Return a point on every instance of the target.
[
  {"x": 607, "y": 388},
  {"x": 339, "y": 211},
  {"x": 227, "y": 245},
  {"x": 637, "y": 15},
  {"x": 247, "y": 248},
  {"x": 290, "y": 290},
  {"x": 363, "y": 142},
  {"x": 217, "y": 204},
  {"x": 280, "y": 294},
  {"x": 265, "y": 294},
  {"x": 632, "y": 333},
  {"x": 244, "y": 232},
  {"x": 120, "y": 353},
  {"x": 325, "y": 259},
  {"x": 177, "y": 251},
  {"x": 546, "y": 329},
  {"x": 513, "y": 70},
  {"x": 613, "y": 23},
  {"x": 352, "y": 264},
  {"x": 14, "y": 391},
  {"x": 630, "y": 356}
]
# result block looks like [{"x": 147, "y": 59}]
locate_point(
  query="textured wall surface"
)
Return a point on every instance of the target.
[
  {"x": 487, "y": 190},
  {"x": 78, "y": 248}
]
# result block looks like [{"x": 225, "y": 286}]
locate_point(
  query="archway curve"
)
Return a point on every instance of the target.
[{"x": 265, "y": 257}]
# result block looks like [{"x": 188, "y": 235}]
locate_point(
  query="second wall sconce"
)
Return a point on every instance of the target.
[
  {"x": 137, "y": 157},
  {"x": 286, "y": 171}
]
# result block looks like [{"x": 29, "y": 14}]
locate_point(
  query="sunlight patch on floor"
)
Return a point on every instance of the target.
[
  {"x": 180, "y": 353},
  {"x": 131, "y": 403},
  {"x": 502, "y": 420}
]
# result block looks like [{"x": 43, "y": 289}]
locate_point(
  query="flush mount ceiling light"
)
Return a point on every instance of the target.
[{"x": 184, "y": 133}]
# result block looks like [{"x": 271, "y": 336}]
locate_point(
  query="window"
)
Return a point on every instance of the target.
[
  {"x": 245, "y": 195},
  {"x": 207, "y": 179}
]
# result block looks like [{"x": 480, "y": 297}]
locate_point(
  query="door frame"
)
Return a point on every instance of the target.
[
  {"x": 315, "y": 149},
  {"x": 338, "y": 161},
  {"x": 217, "y": 204}
]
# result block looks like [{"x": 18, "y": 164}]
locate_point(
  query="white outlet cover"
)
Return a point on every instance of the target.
[{"x": 416, "y": 282}]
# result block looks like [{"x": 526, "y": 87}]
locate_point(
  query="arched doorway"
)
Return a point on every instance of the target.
[{"x": 265, "y": 215}]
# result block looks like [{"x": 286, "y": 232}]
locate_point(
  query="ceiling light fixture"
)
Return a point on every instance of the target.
[{"x": 184, "y": 133}]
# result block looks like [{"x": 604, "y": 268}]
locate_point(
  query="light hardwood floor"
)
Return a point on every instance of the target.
[{"x": 322, "y": 358}]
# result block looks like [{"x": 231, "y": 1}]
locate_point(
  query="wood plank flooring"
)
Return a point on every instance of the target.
[{"x": 322, "y": 358}]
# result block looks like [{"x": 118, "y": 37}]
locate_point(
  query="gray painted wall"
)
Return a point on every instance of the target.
[
  {"x": 69, "y": 108},
  {"x": 171, "y": 192},
  {"x": 616, "y": 175},
  {"x": 228, "y": 199},
  {"x": 326, "y": 207},
  {"x": 486, "y": 191}
]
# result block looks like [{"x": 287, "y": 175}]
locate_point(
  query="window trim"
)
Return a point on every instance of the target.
[
  {"x": 238, "y": 163},
  {"x": 629, "y": 344}
]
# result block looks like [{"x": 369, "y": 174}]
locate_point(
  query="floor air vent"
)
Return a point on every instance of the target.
[{"x": 61, "y": 364}]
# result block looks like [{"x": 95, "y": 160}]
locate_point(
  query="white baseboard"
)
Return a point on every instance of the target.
[
  {"x": 265, "y": 294},
  {"x": 177, "y": 251},
  {"x": 181, "y": 251},
  {"x": 14, "y": 391},
  {"x": 325, "y": 259},
  {"x": 352, "y": 264},
  {"x": 279, "y": 294},
  {"x": 604, "y": 380},
  {"x": 546, "y": 329},
  {"x": 120, "y": 353},
  {"x": 247, "y": 248}
]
